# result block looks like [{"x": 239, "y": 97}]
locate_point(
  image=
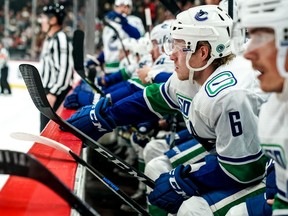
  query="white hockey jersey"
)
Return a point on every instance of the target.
[
  {"x": 223, "y": 117},
  {"x": 111, "y": 42}
]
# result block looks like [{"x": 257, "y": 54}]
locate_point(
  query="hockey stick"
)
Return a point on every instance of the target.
[
  {"x": 34, "y": 85},
  {"x": 148, "y": 19},
  {"x": 230, "y": 8},
  {"x": 54, "y": 144},
  {"x": 26, "y": 165},
  {"x": 78, "y": 57},
  {"x": 171, "y": 6}
]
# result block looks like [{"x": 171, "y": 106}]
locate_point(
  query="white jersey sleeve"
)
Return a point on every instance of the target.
[{"x": 136, "y": 22}]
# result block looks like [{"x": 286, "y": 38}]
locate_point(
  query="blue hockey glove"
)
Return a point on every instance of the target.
[
  {"x": 139, "y": 139},
  {"x": 81, "y": 96},
  {"x": 116, "y": 17},
  {"x": 145, "y": 131},
  {"x": 257, "y": 206},
  {"x": 271, "y": 187},
  {"x": 92, "y": 63},
  {"x": 172, "y": 188},
  {"x": 90, "y": 120}
]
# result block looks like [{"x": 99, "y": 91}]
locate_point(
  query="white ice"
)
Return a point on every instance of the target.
[{"x": 17, "y": 114}]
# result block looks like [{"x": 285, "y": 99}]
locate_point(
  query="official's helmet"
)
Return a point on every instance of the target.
[{"x": 56, "y": 10}]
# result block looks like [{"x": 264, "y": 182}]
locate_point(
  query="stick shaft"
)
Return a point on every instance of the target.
[{"x": 34, "y": 85}]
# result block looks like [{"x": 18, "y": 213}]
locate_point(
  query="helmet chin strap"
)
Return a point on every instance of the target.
[{"x": 192, "y": 70}]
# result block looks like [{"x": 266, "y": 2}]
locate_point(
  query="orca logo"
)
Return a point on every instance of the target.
[
  {"x": 201, "y": 15},
  {"x": 165, "y": 26}
]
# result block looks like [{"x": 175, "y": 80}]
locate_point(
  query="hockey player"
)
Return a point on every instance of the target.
[
  {"x": 228, "y": 99},
  {"x": 177, "y": 95},
  {"x": 126, "y": 25},
  {"x": 160, "y": 70},
  {"x": 266, "y": 22},
  {"x": 157, "y": 73}
]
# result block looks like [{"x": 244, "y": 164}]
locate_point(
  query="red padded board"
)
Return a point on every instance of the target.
[{"x": 23, "y": 196}]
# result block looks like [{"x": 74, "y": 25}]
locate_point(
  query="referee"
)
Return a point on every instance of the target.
[{"x": 56, "y": 59}]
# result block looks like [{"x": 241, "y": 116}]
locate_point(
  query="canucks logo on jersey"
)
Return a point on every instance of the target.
[{"x": 220, "y": 82}]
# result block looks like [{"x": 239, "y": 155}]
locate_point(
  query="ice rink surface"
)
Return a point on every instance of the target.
[{"x": 17, "y": 114}]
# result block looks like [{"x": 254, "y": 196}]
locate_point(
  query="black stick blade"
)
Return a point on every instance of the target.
[
  {"x": 32, "y": 78},
  {"x": 78, "y": 58},
  {"x": 26, "y": 165},
  {"x": 35, "y": 88},
  {"x": 78, "y": 50},
  {"x": 172, "y": 6}
]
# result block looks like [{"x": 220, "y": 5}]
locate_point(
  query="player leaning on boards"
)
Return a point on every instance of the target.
[
  {"x": 202, "y": 60},
  {"x": 119, "y": 24},
  {"x": 223, "y": 117},
  {"x": 267, "y": 25}
]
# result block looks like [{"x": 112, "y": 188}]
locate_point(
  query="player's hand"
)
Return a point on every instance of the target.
[
  {"x": 270, "y": 201},
  {"x": 101, "y": 80},
  {"x": 90, "y": 121},
  {"x": 172, "y": 188},
  {"x": 143, "y": 73},
  {"x": 82, "y": 95},
  {"x": 52, "y": 99}
]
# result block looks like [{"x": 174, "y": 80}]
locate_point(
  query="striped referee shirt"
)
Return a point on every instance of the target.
[{"x": 56, "y": 63}]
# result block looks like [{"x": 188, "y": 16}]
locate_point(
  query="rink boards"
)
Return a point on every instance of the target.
[{"x": 23, "y": 196}]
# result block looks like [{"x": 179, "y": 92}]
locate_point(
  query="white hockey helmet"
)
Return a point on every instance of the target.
[
  {"x": 123, "y": 2},
  {"x": 143, "y": 46},
  {"x": 238, "y": 33},
  {"x": 204, "y": 23},
  {"x": 160, "y": 31},
  {"x": 128, "y": 43},
  {"x": 268, "y": 14}
]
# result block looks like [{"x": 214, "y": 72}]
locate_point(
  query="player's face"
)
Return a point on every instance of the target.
[
  {"x": 123, "y": 9},
  {"x": 179, "y": 57},
  {"x": 44, "y": 23},
  {"x": 262, "y": 52}
]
